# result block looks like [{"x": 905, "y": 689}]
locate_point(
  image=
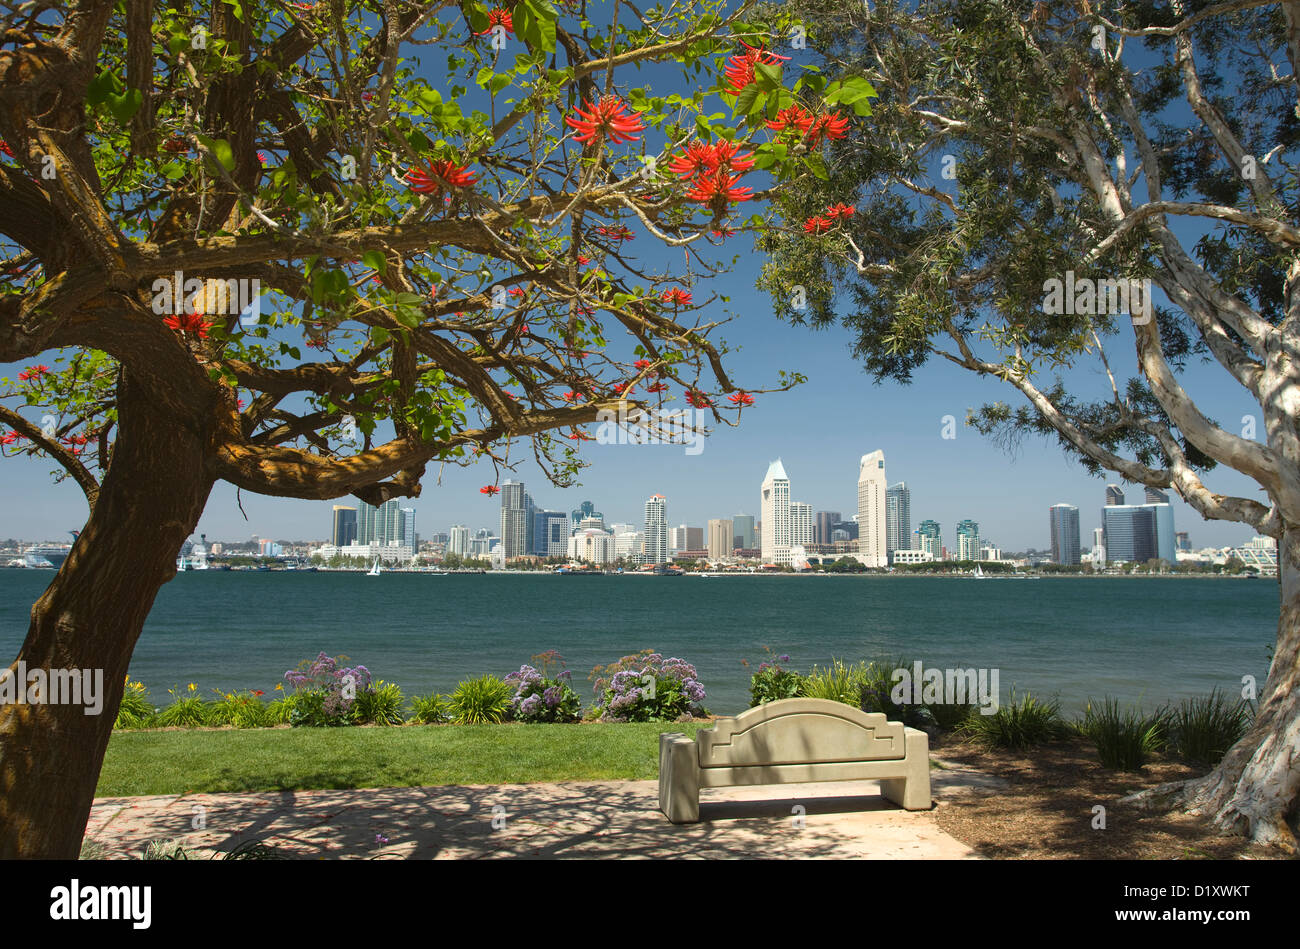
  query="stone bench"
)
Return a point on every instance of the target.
[{"x": 793, "y": 741}]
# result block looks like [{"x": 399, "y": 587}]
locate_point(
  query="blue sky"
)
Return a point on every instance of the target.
[{"x": 819, "y": 429}]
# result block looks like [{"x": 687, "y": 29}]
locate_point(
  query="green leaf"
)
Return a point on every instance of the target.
[{"x": 375, "y": 260}]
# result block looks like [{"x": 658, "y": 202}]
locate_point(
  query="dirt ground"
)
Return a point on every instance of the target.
[{"x": 1046, "y": 811}]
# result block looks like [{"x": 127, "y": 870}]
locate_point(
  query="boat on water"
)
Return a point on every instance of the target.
[
  {"x": 978, "y": 574},
  {"x": 374, "y": 570}
]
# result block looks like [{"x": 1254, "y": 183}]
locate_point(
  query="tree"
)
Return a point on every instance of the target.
[
  {"x": 1032, "y": 173},
  {"x": 432, "y": 246}
]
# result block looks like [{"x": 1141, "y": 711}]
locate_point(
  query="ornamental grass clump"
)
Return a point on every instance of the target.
[
  {"x": 242, "y": 709},
  {"x": 188, "y": 710},
  {"x": 432, "y": 709},
  {"x": 1125, "y": 738},
  {"x": 647, "y": 687},
  {"x": 1018, "y": 724},
  {"x": 1202, "y": 730},
  {"x": 481, "y": 701},
  {"x": 539, "y": 697},
  {"x": 380, "y": 705},
  {"x": 136, "y": 709}
]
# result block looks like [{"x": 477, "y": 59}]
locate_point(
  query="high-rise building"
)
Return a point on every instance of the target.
[
  {"x": 801, "y": 524},
  {"x": 551, "y": 533},
  {"x": 514, "y": 520},
  {"x": 743, "y": 525},
  {"x": 344, "y": 529},
  {"x": 458, "y": 540},
  {"x": 1182, "y": 541},
  {"x": 380, "y": 525},
  {"x": 872, "y": 484},
  {"x": 1129, "y": 532},
  {"x": 592, "y": 545},
  {"x": 775, "y": 514},
  {"x": 530, "y": 516},
  {"x": 409, "y": 537},
  {"x": 968, "y": 540},
  {"x": 627, "y": 543},
  {"x": 683, "y": 537},
  {"x": 1099, "y": 547},
  {"x": 849, "y": 530},
  {"x": 584, "y": 510},
  {"x": 721, "y": 538},
  {"x": 929, "y": 539},
  {"x": 656, "y": 530},
  {"x": 898, "y": 519},
  {"x": 1166, "y": 537},
  {"x": 1064, "y": 525},
  {"x": 1114, "y": 495},
  {"x": 824, "y": 525}
]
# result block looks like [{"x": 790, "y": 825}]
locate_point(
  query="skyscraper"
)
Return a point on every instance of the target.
[
  {"x": 872, "y": 549},
  {"x": 656, "y": 530},
  {"x": 930, "y": 539},
  {"x": 1114, "y": 495},
  {"x": 344, "y": 529},
  {"x": 1064, "y": 524},
  {"x": 968, "y": 540},
  {"x": 721, "y": 538},
  {"x": 1166, "y": 537},
  {"x": 514, "y": 520},
  {"x": 775, "y": 514},
  {"x": 801, "y": 524},
  {"x": 530, "y": 514},
  {"x": 408, "y": 537},
  {"x": 380, "y": 525},
  {"x": 551, "y": 533},
  {"x": 1130, "y": 532},
  {"x": 743, "y": 525},
  {"x": 824, "y": 526},
  {"x": 458, "y": 540},
  {"x": 584, "y": 510},
  {"x": 898, "y": 519}
]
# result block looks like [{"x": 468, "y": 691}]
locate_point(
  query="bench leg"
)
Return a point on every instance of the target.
[
  {"x": 912, "y": 792},
  {"x": 679, "y": 778}
]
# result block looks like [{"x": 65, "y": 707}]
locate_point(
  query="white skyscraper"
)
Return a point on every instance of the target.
[
  {"x": 775, "y": 515},
  {"x": 656, "y": 530},
  {"x": 872, "y": 549},
  {"x": 801, "y": 524},
  {"x": 458, "y": 540},
  {"x": 514, "y": 520}
]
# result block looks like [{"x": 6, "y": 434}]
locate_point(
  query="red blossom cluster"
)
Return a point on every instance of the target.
[
  {"x": 489, "y": 490},
  {"x": 189, "y": 323},
  {"x": 657, "y": 387},
  {"x": 617, "y": 232},
  {"x": 740, "y": 68},
  {"x": 10, "y": 437},
  {"x": 498, "y": 17},
  {"x": 741, "y": 398},
  {"x": 33, "y": 372},
  {"x": 430, "y": 178},
  {"x": 5, "y": 149},
  {"x": 606, "y": 119},
  {"x": 677, "y": 297},
  {"x": 811, "y": 128},
  {"x": 697, "y": 399},
  {"x": 817, "y": 225},
  {"x": 176, "y": 145},
  {"x": 714, "y": 171}
]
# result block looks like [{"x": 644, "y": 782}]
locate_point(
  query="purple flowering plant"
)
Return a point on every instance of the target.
[
  {"x": 324, "y": 690},
  {"x": 646, "y": 687},
  {"x": 541, "y": 697},
  {"x": 772, "y": 680}
]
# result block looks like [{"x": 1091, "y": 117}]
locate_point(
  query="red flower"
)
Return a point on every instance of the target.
[
  {"x": 583, "y": 259},
  {"x": 10, "y": 437},
  {"x": 642, "y": 364},
  {"x": 817, "y": 225},
  {"x": 727, "y": 155},
  {"x": 740, "y": 68},
  {"x": 261, "y": 156},
  {"x": 33, "y": 372},
  {"x": 827, "y": 126},
  {"x": 426, "y": 180},
  {"x": 697, "y": 399},
  {"x": 176, "y": 145},
  {"x": 239, "y": 404},
  {"x": 623, "y": 389},
  {"x": 570, "y": 396},
  {"x": 258, "y": 692},
  {"x": 189, "y": 323},
  {"x": 657, "y": 387},
  {"x": 716, "y": 190},
  {"x": 5, "y": 149},
  {"x": 723, "y": 232},
  {"x": 367, "y": 96},
  {"x": 607, "y": 118},
  {"x": 698, "y": 157},
  {"x": 618, "y": 233},
  {"x": 839, "y": 210},
  {"x": 489, "y": 490},
  {"x": 499, "y": 17},
  {"x": 741, "y": 398},
  {"x": 515, "y": 292},
  {"x": 76, "y": 440},
  {"x": 795, "y": 117},
  {"x": 578, "y": 436},
  {"x": 316, "y": 344},
  {"x": 677, "y": 297}
]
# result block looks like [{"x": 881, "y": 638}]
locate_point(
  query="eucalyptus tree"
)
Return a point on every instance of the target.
[
  {"x": 1031, "y": 172},
  {"x": 311, "y": 249}
]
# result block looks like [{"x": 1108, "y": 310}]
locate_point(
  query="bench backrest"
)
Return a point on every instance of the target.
[{"x": 794, "y": 731}]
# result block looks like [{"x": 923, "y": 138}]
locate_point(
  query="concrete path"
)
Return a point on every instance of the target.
[{"x": 580, "y": 819}]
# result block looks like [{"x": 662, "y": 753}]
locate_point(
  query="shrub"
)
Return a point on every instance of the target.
[
  {"x": 1125, "y": 738},
  {"x": 380, "y": 705},
  {"x": 136, "y": 708},
  {"x": 876, "y": 694},
  {"x": 773, "y": 681},
  {"x": 241, "y": 709},
  {"x": 539, "y": 698},
  {"x": 278, "y": 711},
  {"x": 1017, "y": 724},
  {"x": 188, "y": 710},
  {"x": 485, "y": 700},
  {"x": 324, "y": 691},
  {"x": 1203, "y": 729},
  {"x": 432, "y": 709},
  {"x": 647, "y": 687},
  {"x": 837, "y": 682}
]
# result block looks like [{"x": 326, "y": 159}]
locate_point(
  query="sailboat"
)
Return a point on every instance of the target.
[
  {"x": 374, "y": 571},
  {"x": 978, "y": 574}
]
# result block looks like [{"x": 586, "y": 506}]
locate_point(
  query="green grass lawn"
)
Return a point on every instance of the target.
[{"x": 276, "y": 759}]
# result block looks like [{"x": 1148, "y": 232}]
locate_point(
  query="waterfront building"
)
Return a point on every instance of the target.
[
  {"x": 380, "y": 525},
  {"x": 929, "y": 538},
  {"x": 872, "y": 484},
  {"x": 824, "y": 526},
  {"x": 898, "y": 519},
  {"x": 584, "y": 510},
  {"x": 1129, "y": 532},
  {"x": 721, "y": 539},
  {"x": 1098, "y": 556},
  {"x": 968, "y": 540},
  {"x": 775, "y": 513},
  {"x": 344, "y": 527},
  {"x": 1063, "y": 521},
  {"x": 628, "y": 544},
  {"x": 1182, "y": 541},
  {"x": 408, "y": 537},
  {"x": 655, "y": 541},
  {"x": 514, "y": 520},
  {"x": 458, "y": 540},
  {"x": 551, "y": 532},
  {"x": 801, "y": 524},
  {"x": 743, "y": 525},
  {"x": 1114, "y": 495},
  {"x": 1166, "y": 539},
  {"x": 685, "y": 538},
  {"x": 912, "y": 556},
  {"x": 590, "y": 545}
]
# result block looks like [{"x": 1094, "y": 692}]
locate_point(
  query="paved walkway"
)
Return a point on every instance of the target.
[{"x": 580, "y": 819}]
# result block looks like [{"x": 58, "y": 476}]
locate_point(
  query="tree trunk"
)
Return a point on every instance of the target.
[
  {"x": 90, "y": 617},
  {"x": 1253, "y": 791}
]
